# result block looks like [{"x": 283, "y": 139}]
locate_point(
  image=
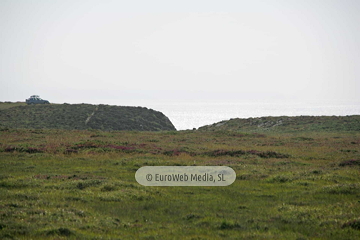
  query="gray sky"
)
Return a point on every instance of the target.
[{"x": 95, "y": 51}]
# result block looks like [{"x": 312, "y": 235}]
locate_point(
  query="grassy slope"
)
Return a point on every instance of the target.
[
  {"x": 288, "y": 124},
  {"x": 7, "y": 105},
  {"x": 81, "y": 185},
  {"x": 66, "y": 116}
]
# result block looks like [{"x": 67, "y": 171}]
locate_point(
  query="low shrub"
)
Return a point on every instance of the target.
[
  {"x": 352, "y": 162},
  {"x": 229, "y": 225},
  {"x": 355, "y": 224},
  {"x": 237, "y": 153}
]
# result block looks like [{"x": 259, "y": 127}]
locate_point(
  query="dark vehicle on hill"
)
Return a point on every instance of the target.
[{"x": 35, "y": 99}]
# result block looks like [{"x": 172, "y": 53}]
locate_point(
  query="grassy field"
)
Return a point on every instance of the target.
[{"x": 80, "y": 184}]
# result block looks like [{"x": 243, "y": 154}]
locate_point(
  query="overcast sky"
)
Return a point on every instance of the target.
[{"x": 95, "y": 51}]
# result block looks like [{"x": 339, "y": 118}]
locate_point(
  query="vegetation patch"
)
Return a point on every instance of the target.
[
  {"x": 352, "y": 162},
  {"x": 60, "y": 232},
  {"x": 238, "y": 153},
  {"x": 342, "y": 189},
  {"x": 355, "y": 224},
  {"x": 23, "y": 149},
  {"x": 226, "y": 225}
]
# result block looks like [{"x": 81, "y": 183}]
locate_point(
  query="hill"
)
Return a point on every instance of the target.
[
  {"x": 82, "y": 116},
  {"x": 7, "y": 105},
  {"x": 288, "y": 124}
]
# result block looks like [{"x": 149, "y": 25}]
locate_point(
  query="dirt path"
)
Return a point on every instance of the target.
[{"x": 89, "y": 117}]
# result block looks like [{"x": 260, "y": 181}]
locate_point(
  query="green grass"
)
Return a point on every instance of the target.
[
  {"x": 80, "y": 184},
  {"x": 288, "y": 124},
  {"x": 82, "y": 117},
  {"x": 7, "y": 105}
]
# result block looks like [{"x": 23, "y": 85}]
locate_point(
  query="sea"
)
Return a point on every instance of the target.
[{"x": 190, "y": 114}]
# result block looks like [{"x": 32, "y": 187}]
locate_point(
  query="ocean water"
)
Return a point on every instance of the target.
[{"x": 194, "y": 114}]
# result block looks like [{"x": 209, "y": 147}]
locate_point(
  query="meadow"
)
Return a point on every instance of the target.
[{"x": 80, "y": 184}]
